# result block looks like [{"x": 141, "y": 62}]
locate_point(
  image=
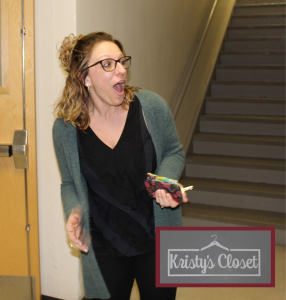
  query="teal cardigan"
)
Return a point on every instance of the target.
[{"x": 170, "y": 163}]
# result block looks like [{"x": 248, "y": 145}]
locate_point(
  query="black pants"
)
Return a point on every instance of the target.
[{"x": 119, "y": 274}]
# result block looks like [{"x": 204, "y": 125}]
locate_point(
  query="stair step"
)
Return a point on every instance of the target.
[
  {"x": 240, "y": 88},
  {"x": 239, "y": 145},
  {"x": 267, "y": 8},
  {"x": 243, "y": 124},
  {"x": 269, "y": 19},
  {"x": 237, "y": 161},
  {"x": 268, "y": 197},
  {"x": 245, "y": 139},
  {"x": 245, "y": 106},
  {"x": 237, "y": 187},
  {"x": 250, "y": 31},
  {"x": 234, "y": 168},
  {"x": 239, "y": 216},
  {"x": 250, "y": 72},
  {"x": 258, "y": 1},
  {"x": 254, "y": 43},
  {"x": 253, "y": 57}
]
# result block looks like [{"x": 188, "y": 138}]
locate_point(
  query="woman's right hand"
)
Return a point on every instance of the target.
[{"x": 74, "y": 229}]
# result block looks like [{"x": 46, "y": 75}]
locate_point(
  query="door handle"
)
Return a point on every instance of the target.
[
  {"x": 5, "y": 150},
  {"x": 18, "y": 149}
]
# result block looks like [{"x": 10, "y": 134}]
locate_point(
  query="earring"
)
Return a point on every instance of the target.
[{"x": 88, "y": 88}]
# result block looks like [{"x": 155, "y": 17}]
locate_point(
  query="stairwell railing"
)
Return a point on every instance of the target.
[{"x": 183, "y": 89}]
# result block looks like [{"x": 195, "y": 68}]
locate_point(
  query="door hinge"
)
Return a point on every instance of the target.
[
  {"x": 23, "y": 30},
  {"x": 28, "y": 227}
]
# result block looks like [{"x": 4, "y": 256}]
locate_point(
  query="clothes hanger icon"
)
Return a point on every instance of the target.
[{"x": 214, "y": 243}]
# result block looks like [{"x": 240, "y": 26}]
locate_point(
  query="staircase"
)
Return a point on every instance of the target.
[{"x": 236, "y": 160}]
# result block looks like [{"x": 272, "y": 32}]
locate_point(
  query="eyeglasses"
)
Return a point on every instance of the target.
[{"x": 109, "y": 64}]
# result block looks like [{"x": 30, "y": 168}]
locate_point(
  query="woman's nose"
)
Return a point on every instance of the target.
[{"x": 120, "y": 68}]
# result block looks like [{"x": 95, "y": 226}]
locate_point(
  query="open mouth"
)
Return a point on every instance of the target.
[{"x": 119, "y": 87}]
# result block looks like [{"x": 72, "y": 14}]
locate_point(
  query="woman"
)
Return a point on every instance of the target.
[{"x": 107, "y": 136}]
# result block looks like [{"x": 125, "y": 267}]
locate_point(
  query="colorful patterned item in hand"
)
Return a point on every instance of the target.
[
  {"x": 160, "y": 178},
  {"x": 154, "y": 183}
]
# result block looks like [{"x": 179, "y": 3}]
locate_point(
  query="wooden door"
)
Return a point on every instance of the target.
[{"x": 19, "y": 250}]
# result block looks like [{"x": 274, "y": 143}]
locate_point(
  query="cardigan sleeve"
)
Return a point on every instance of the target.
[
  {"x": 169, "y": 151},
  {"x": 170, "y": 155},
  {"x": 173, "y": 157},
  {"x": 68, "y": 190}
]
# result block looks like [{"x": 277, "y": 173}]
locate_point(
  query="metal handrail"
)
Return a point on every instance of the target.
[{"x": 192, "y": 66}]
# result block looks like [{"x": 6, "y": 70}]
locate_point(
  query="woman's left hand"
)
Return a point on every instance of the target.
[{"x": 166, "y": 200}]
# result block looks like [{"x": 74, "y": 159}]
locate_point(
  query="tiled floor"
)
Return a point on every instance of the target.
[{"x": 276, "y": 293}]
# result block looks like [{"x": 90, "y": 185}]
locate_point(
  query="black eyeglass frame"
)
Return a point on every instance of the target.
[{"x": 116, "y": 61}]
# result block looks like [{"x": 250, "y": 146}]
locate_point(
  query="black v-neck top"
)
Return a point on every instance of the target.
[{"x": 121, "y": 212}]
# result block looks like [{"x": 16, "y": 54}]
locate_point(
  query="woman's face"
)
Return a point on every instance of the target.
[{"x": 106, "y": 88}]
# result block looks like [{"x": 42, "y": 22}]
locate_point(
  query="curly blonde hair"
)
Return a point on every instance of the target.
[{"x": 74, "y": 54}]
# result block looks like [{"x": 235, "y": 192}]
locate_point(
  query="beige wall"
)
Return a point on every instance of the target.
[
  {"x": 160, "y": 35},
  {"x": 54, "y": 19}
]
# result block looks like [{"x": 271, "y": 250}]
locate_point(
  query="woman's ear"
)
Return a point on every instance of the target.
[
  {"x": 81, "y": 77},
  {"x": 87, "y": 81}
]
